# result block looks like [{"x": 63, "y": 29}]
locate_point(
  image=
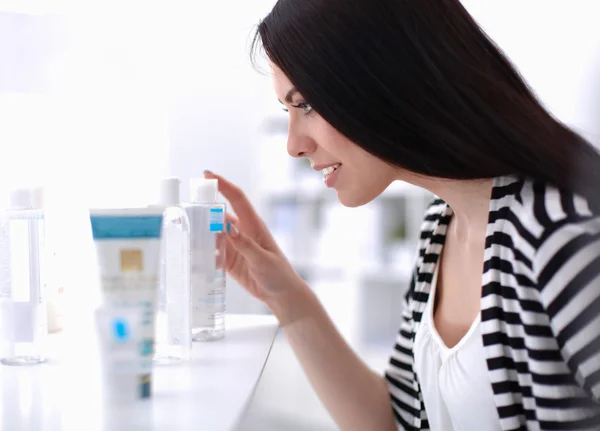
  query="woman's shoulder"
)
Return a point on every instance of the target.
[
  {"x": 537, "y": 209},
  {"x": 564, "y": 237},
  {"x": 540, "y": 220},
  {"x": 525, "y": 214}
]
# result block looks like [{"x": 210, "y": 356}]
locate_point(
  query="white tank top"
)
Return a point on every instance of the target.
[{"x": 454, "y": 382}]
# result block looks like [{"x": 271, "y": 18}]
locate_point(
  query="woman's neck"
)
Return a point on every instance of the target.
[{"x": 469, "y": 200}]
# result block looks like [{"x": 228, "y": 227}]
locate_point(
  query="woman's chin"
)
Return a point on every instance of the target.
[{"x": 353, "y": 199}]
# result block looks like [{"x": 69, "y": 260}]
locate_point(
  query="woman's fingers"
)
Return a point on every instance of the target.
[
  {"x": 231, "y": 218},
  {"x": 236, "y": 197},
  {"x": 246, "y": 217},
  {"x": 253, "y": 253}
]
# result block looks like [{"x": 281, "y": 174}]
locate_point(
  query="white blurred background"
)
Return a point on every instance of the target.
[{"x": 98, "y": 100}]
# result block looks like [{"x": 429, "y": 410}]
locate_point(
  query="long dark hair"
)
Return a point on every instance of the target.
[{"x": 418, "y": 84}]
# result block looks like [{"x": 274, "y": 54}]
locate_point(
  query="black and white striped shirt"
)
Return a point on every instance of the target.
[{"x": 540, "y": 310}]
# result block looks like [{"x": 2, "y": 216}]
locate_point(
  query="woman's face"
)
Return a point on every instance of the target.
[{"x": 357, "y": 176}]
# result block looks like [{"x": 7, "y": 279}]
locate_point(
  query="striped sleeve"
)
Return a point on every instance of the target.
[
  {"x": 402, "y": 384},
  {"x": 567, "y": 267}
]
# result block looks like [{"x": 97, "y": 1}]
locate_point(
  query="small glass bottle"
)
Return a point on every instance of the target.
[
  {"x": 207, "y": 218},
  {"x": 23, "y": 314},
  {"x": 173, "y": 324}
]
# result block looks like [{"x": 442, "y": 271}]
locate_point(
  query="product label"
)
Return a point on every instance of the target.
[
  {"x": 26, "y": 319},
  {"x": 137, "y": 296},
  {"x": 129, "y": 278},
  {"x": 207, "y": 261},
  {"x": 125, "y": 374},
  {"x": 23, "y": 307},
  {"x": 216, "y": 220},
  {"x": 134, "y": 292},
  {"x": 208, "y": 302},
  {"x": 21, "y": 322}
]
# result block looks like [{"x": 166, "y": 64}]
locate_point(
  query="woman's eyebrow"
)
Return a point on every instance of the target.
[{"x": 289, "y": 95}]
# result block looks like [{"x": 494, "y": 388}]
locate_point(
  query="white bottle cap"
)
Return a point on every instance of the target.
[
  {"x": 204, "y": 190},
  {"x": 23, "y": 199},
  {"x": 169, "y": 191},
  {"x": 37, "y": 197}
]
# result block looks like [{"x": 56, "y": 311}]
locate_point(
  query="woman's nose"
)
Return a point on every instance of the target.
[{"x": 300, "y": 145}]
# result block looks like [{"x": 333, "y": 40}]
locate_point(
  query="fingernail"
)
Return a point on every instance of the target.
[
  {"x": 206, "y": 171},
  {"x": 232, "y": 230}
]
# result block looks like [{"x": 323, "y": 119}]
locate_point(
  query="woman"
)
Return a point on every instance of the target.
[{"x": 501, "y": 326}]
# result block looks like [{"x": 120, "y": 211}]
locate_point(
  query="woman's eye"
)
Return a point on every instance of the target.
[{"x": 306, "y": 107}]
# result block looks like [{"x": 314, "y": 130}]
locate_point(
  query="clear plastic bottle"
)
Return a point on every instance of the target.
[
  {"x": 23, "y": 313},
  {"x": 173, "y": 324},
  {"x": 207, "y": 218}
]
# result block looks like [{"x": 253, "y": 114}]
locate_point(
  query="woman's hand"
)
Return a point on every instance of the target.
[
  {"x": 252, "y": 256},
  {"x": 255, "y": 261}
]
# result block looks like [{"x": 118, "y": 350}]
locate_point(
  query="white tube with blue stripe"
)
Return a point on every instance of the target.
[{"x": 128, "y": 245}]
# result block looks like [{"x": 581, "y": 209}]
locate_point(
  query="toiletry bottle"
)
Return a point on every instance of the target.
[
  {"x": 173, "y": 324},
  {"x": 23, "y": 314},
  {"x": 128, "y": 245},
  {"x": 207, "y": 218}
]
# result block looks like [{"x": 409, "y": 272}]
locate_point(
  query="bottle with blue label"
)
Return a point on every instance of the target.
[{"x": 207, "y": 219}]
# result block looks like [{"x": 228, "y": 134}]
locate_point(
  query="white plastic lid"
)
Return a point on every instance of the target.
[
  {"x": 204, "y": 190},
  {"x": 29, "y": 198},
  {"x": 169, "y": 191},
  {"x": 37, "y": 197}
]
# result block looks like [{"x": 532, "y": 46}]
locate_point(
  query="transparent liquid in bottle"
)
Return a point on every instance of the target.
[
  {"x": 173, "y": 325},
  {"x": 23, "y": 314},
  {"x": 207, "y": 271}
]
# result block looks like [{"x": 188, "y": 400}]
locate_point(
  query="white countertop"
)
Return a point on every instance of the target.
[{"x": 209, "y": 393}]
